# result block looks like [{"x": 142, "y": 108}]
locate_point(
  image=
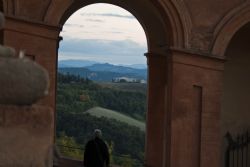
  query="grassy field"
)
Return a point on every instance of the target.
[
  {"x": 102, "y": 112},
  {"x": 138, "y": 87}
]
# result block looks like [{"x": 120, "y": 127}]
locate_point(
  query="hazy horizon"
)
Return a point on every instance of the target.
[{"x": 99, "y": 62}]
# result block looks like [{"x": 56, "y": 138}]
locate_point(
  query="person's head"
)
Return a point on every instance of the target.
[{"x": 97, "y": 133}]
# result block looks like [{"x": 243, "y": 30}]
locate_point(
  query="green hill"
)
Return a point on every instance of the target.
[
  {"x": 130, "y": 87},
  {"x": 102, "y": 112}
]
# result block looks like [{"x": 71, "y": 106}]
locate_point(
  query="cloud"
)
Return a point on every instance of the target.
[
  {"x": 98, "y": 46},
  {"x": 112, "y": 51},
  {"x": 73, "y": 25},
  {"x": 109, "y": 15},
  {"x": 94, "y": 20},
  {"x": 115, "y": 32}
]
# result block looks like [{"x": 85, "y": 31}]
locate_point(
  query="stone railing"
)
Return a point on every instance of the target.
[{"x": 67, "y": 162}]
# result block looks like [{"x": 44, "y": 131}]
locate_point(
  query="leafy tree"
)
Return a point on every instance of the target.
[{"x": 68, "y": 147}]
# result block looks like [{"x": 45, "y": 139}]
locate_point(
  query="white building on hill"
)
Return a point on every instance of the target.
[{"x": 127, "y": 80}]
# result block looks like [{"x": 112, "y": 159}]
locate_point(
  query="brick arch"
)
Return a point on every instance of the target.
[
  {"x": 161, "y": 21},
  {"x": 165, "y": 28},
  {"x": 228, "y": 27}
]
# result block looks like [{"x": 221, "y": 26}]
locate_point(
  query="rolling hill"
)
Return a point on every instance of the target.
[
  {"x": 117, "y": 69},
  {"x": 85, "y": 63},
  {"x": 103, "y": 72},
  {"x": 130, "y": 87},
  {"x": 101, "y": 75},
  {"x": 102, "y": 112}
]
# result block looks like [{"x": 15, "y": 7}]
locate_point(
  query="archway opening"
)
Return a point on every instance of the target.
[
  {"x": 102, "y": 82},
  {"x": 163, "y": 30},
  {"x": 236, "y": 95}
]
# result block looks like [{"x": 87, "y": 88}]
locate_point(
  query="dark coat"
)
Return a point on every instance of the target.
[{"x": 96, "y": 153}]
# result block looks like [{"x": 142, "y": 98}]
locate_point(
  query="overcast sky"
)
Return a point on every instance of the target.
[{"x": 103, "y": 33}]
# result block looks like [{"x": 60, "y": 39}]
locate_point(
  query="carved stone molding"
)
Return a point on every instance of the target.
[
  {"x": 34, "y": 10},
  {"x": 200, "y": 40}
]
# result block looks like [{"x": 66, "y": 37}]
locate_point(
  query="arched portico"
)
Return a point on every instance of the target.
[{"x": 184, "y": 85}]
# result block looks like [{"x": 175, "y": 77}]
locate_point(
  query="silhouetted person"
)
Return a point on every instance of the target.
[{"x": 96, "y": 152}]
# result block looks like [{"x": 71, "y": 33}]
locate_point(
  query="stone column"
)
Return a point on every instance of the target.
[
  {"x": 194, "y": 106},
  {"x": 157, "y": 80},
  {"x": 26, "y": 130}
]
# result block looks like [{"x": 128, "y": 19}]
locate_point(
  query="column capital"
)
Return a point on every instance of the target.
[
  {"x": 24, "y": 26},
  {"x": 156, "y": 58},
  {"x": 195, "y": 53},
  {"x": 196, "y": 58},
  {"x": 188, "y": 52},
  {"x": 154, "y": 55}
]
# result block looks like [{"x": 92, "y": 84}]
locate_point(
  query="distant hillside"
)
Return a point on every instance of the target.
[
  {"x": 85, "y": 63},
  {"x": 102, "y": 112},
  {"x": 101, "y": 75},
  {"x": 117, "y": 69}
]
